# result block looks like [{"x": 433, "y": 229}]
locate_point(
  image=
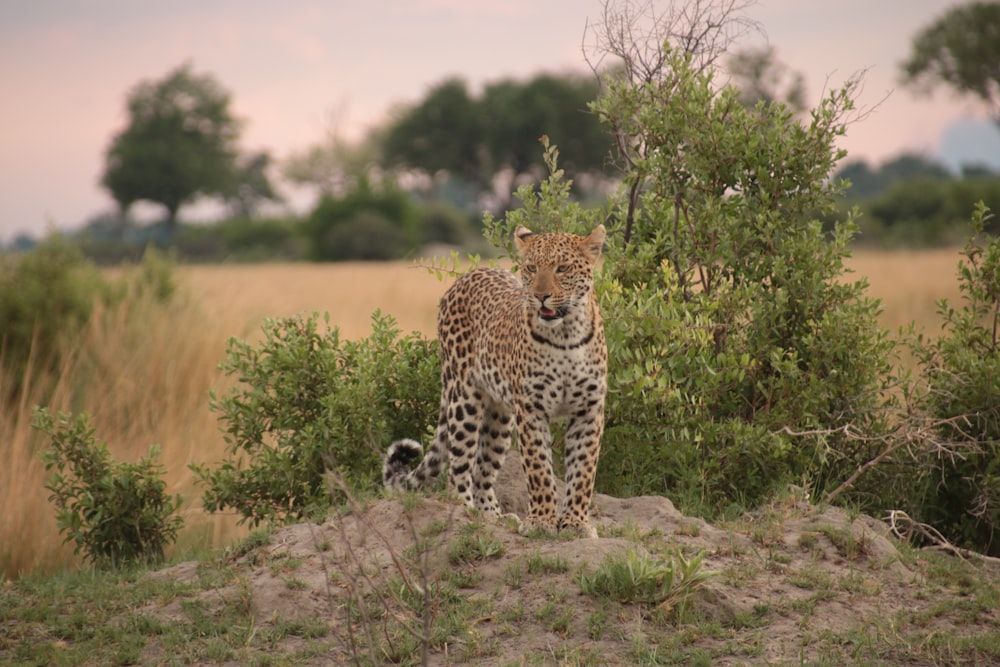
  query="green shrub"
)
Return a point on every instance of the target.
[
  {"x": 441, "y": 222},
  {"x": 365, "y": 223},
  {"x": 243, "y": 240},
  {"x": 46, "y": 296},
  {"x": 310, "y": 402},
  {"x": 960, "y": 494},
  {"x": 631, "y": 577},
  {"x": 114, "y": 512}
]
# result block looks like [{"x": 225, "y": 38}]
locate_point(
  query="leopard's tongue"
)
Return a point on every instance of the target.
[{"x": 546, "y": 312}]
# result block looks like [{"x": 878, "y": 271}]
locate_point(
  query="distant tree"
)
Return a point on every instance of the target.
[
  {"x": 180, "y": 142},
  {"x": 760, "y": 77},
  {"x": 908, "y": 167},
  {"x": 495, "y": 136},
  {"x": 867, "y": 182},
  {"x": 251, "y": 185},
  {"x": 442, "y": 133},
  {"x": 336, "y": 164},
  {"x": 516, "y": 114},
  {"x": 961, "y": 49}
]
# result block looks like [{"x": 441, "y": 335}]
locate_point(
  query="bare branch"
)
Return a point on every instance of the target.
[
  {"x": 639, "y": 33},
  {"x": 905, "y": 528}
]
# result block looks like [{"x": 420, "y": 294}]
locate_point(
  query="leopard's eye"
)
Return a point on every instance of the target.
[
  {"x": 530, "y": 268},
  {"x": 562, "y": 268}
]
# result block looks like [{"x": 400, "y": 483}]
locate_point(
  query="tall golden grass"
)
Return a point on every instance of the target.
[{"x": 144, "y": 371}]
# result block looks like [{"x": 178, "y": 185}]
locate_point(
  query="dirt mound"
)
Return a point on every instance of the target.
[{"x": 408, "y": 578}]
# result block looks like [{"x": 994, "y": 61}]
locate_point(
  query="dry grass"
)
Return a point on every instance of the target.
[
  {"x": 909, "y": 282},
  {"x": 240, "y": 297},
  {"x": 147, "y": 370}
]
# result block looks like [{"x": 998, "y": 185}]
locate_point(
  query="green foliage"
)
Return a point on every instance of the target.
[
  {"x": 547, "y": 207},
  {"x": 243, "y": 240},
  {"x": 114, "y": 512},
  {"x": 251, "y": 186},
  {"x": 867, "y": 182},
  {"x": 46, "y": 296},
  {"x": 474, "y": 543},
  {"x": 928, "y": 211},
  {"x": 365, "y": 223},
  {"x": 475, "y": 139},
  {"x": 441, "y": 222},
  {"x": 180, "y": 142},
  {"x": 309, "y": 402},
  {"x": 761, "y": 77},
  {"x": 631, "y": 577},
  {"x": 729, "y": 329},
  {"x": 960, "y": 49},
  {"x": 960, "y": 494}
]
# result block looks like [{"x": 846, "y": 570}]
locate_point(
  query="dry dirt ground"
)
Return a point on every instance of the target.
[{"x": 415, "y": 579}]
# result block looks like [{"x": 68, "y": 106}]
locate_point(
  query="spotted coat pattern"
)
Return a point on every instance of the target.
[{"x": 519, "y": 354}]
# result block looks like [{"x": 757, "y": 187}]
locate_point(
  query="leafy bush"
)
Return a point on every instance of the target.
[
  {"x": 924, "y": 212},
  {"x": 46, "y": 296},
  {"x": 738, "y": 356},
  {"x": 960, "y": 493},
  {"x": 243, "y": 240},
  {"x": 386, "y": 215},
  {"x": 441, "y": 222},
  {"x": 310, "y": 402},
  {"x": 49, "y": 294},
  {"x": 115, "y": 512}
]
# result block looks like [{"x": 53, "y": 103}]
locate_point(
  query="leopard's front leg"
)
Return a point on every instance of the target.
[
  {"x": 534, "y": 439},
  {"x": 583, "y": 448}
]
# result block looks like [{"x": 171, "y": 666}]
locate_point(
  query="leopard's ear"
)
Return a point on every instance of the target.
[
  {"x": 521, "y": 236},
  {"x": 593, "y": 244}
]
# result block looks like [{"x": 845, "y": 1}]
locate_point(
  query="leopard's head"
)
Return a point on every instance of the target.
[{"x": 557, "y": 270}]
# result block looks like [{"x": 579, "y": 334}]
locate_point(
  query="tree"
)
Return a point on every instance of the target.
[
  {"x": 180, "y": 142},
  {"x": 442, "y": 133},
  {"x": 760, "y": 77},
  {"x": 336, "y": 164},
  {"x": 961, "y": 49},
  {"x": 867, "y": 182},
  {"x": 740, "y": 359},
  {"x": 251, "y": 185},
  {"x": 491, "y": 141}
]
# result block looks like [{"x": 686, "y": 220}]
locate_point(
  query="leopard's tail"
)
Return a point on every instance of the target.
[
  {"x": 398, "y": 464},
  {"x": 398, "y": 471}
]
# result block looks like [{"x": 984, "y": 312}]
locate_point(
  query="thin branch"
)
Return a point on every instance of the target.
[{"x": 905, "y": 528}]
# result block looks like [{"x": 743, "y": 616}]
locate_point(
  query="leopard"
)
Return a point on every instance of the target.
[{"x": 519, "y": 353}]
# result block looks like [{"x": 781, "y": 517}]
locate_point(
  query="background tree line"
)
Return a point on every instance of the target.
[{"x": 427, "y": 174}]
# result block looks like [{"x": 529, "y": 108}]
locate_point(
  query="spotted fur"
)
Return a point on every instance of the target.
[{"x": 519, "y": 354}]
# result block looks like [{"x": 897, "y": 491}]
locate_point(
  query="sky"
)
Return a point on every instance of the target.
[{"x": 298, "y": 68}]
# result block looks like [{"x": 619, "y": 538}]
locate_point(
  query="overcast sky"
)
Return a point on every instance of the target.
[{"x": 67, "y": 65}]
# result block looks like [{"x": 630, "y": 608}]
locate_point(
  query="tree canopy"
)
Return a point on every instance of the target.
[
  {"x": 761, "y": 77},
  {"x": 180, "y": 142},
  {"x": 479, "y": 138},
  {"x": 961, "y": 49}
]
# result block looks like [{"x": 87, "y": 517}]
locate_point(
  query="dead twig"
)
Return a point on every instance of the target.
[{"x": 905, "y": 528}]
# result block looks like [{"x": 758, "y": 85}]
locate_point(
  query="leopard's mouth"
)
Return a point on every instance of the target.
[{"x": 548, "y": 314}]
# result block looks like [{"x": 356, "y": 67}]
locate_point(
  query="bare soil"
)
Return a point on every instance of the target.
[{"x": 794, "y": 583}]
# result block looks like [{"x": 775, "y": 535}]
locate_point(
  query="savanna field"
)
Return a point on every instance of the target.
[{"x": 149, "y": 370}]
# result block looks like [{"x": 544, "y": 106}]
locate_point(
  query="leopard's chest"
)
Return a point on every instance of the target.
[{"x": 563, "y": 382}]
